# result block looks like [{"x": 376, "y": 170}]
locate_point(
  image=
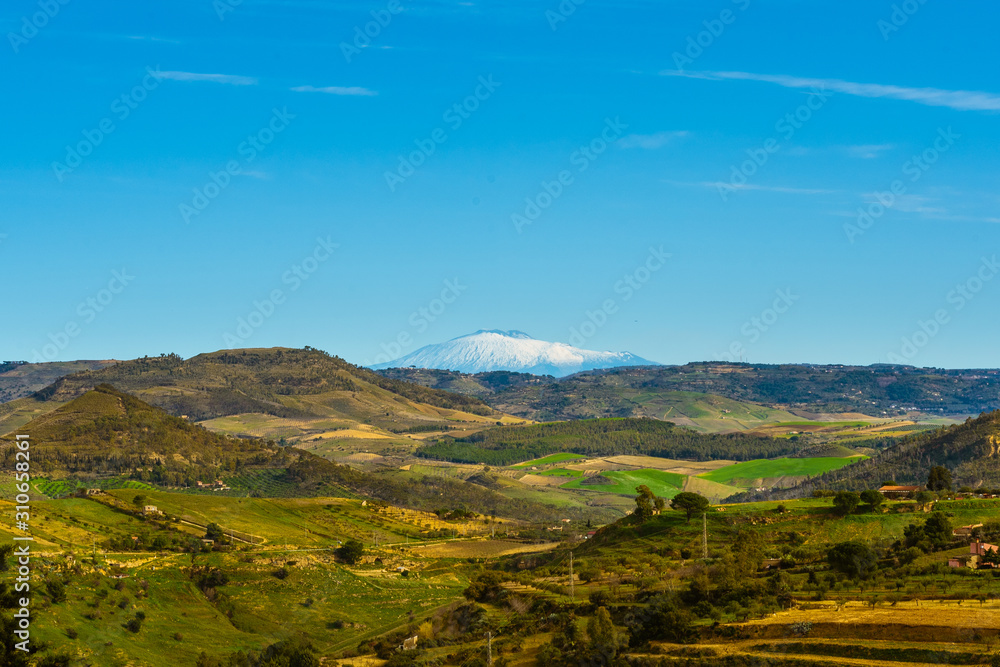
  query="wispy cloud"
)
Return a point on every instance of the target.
[
  {"x": 907, "y": 203},
  {"x": 960, "y": 100},
  {"x": 336, "y": 90},
  {"x": 868, "y": 151},
  {"x": 715, "y": 185},
  {"x": 649, "y": 141},
  {"x": 230, "y": 79}
]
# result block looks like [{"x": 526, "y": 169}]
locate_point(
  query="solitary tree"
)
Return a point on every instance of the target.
[
  {"x": 939, "y": 479},
  {"x": 845, "y": 502},
  {"x": 689, "y": 503},
  {"x": 139, "y": 500},
  {"x": 213, "y": 531},
  {"x": 351, "y": 551},
  {"x": 872, "y": 498}
]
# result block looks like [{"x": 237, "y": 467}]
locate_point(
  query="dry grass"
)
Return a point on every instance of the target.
[
  {"x": 481, "y": 548},
  {"x": 918, "y": 613},
  {"x": 543, "y": 480}
]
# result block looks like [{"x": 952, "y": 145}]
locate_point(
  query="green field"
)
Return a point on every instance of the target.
[
  {"x": 746, "y": 473},
  {"x": 549, "y": 460},
  {"x": 663, "y": 484}
]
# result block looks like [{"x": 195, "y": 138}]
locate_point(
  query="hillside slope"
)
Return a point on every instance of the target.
[
  {"x": 107, "y": 433},
  {"x": 18, "y": 379},
  {"x": 970, "y": 450}
]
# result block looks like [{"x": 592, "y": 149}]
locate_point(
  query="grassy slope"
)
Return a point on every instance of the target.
[
  {"x": 663, "y": 484},
  {"x": 744, "y": 474}
]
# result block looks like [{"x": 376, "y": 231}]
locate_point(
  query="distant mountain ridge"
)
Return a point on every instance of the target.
[
  {"x": 496, "y": 350},
  {"x": 879, "y": 390}
]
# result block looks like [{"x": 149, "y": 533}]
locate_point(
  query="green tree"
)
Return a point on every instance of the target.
[
  {"x": 139, "y": 500},
  {"x": 690, "y": 504},
  {"x": 939, "y": 479},
  {"x": 5, "y": 551},
  {"x": 872, "y": 498},
  {"x": 938, "y": 528},
  {"x": 845, "y": 502},
  {"x": 351, "y": 551},
  {"x": 644, "y": 502},
  {"x": 213, "y": 531},
  {"x": 853, "y": 559}
]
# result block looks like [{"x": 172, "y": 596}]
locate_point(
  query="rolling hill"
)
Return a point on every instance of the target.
[
  {"x": 106, "y": 434},
  {"x": 295, "y": 395}
]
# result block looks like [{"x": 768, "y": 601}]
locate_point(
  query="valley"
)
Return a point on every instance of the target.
[{"x": 285, "y": 503}]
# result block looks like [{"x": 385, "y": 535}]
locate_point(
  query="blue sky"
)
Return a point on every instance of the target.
[{"x": 188, "y": 176}]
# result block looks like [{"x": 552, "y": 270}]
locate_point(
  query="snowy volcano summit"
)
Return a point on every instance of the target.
[{"x": 494, "y": 350}]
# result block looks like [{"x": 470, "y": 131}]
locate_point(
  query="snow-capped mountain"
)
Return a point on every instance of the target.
[{"x": 493, "y": 350}]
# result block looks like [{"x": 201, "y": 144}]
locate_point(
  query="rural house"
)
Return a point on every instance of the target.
[
  {"x": 972, "y": 559},
  {"x": 966, "y": 531}
]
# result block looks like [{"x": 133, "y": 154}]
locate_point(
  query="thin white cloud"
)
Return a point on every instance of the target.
[
  {"x": 907, "y": 203},
  {"x": 716, "y": 185},
  {"x": 230, "y": 79},
  {"x": 960, "y": 100},
  {"x": 650, "y": 141},
  {"x": 336, "y": 90},
  {"x": 868, "y": 152}
]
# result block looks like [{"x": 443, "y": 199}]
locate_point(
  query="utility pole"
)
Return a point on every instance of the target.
[
  {"x": 704, "y": 535},
  {"x": 572, "y": 591},
  {"x": 489, "y": 649}
]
